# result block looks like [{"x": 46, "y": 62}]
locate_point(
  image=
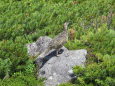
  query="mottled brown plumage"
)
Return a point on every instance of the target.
[{"x": 58, "y": 41}]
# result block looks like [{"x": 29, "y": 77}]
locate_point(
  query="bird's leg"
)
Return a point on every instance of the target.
[{"x": 57, "y": 52}]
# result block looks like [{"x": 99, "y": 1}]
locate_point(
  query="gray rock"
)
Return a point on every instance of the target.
[
  {"x": 58, "y": 70},
  {"x": 32, "y": 49},
  {"x": 39, "y": 46},
  {"x": 42, "y": 43}
]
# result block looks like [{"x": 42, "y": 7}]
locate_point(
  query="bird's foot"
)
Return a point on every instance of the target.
[
  {"x": 59, "y": 52},
  {"x": 57, "y": 55}
]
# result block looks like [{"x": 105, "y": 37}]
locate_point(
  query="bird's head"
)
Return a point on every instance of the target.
[{"x": 66, "y": 25}]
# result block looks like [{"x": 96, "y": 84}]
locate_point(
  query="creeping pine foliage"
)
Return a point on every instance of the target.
[{"x": 24, "y": 21}]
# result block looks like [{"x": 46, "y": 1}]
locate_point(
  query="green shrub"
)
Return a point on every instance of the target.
[
  {"x": 19, "y": 79},
  {"x": 23, "y": 21},
  {"x": 100, "y": 74},
  {"x": 4, "y": 67},
  {"x": 102, "y": 41},
  {"x": 15, "y": 52}
]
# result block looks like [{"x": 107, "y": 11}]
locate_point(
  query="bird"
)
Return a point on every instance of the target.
[{"x": 57, "y": 42}]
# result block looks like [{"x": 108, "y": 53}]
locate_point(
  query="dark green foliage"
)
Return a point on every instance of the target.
[
  {"x": 24, "y": 21},
  {"x": 102, "y": 41},
  {"x": 99, "y": 74},
  {"x": 15, "y": 52},
  {"x": 19, "y": 79},
  {"x": 4, "y": 67}
]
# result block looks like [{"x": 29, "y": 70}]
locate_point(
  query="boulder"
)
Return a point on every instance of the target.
[
  {"x": 58, "y": 70},
  {"x": 39, "y": 46}
]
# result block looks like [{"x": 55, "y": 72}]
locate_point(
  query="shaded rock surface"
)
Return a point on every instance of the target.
[{"x": 58, "y": 70}]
